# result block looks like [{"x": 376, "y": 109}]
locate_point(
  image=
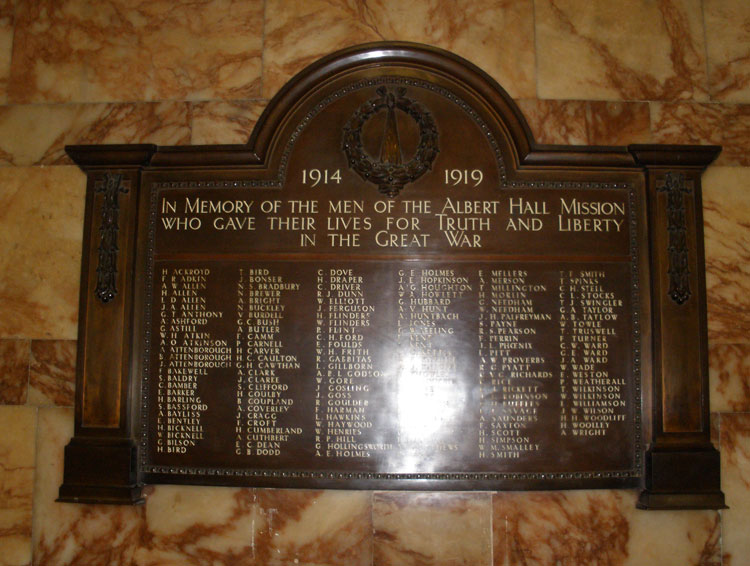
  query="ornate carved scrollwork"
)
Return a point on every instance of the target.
[
  {"x": 679, "y": 270},
  {"x": 388, "y": 173},
  {"x": 110, "y": 186}
]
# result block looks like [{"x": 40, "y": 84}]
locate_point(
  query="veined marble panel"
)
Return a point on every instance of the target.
[
  {"x": 14, "y": 371},
  {"x": 225, "y": 122},
  {"x": 624, "y": 50},
  {"x": 602, "y": 528},
  {"x": 68, "y": 533},
  {"x": 498, "y": 36},
  {"x": 556, "y": 121},
  {"x": 728, "y": 45},
  {"x": 193, "y": 525},
  {"x": 727, "y": 125},
  {"x": 726, "y": 216},
  {"x": 52, "y": 372},
  {"x": 41, "y": 226},
  {"x": 593, "y": 122},
  {"x": 120, "y": 50},
  {"x": 18, "y": 425},
  {"x": 315, "y": 527},
  {"x": 618, "y": 123},
  {"x": 441, "y": 529},
  {"x": 7, "y": 8},
  {"x": 735, "y": 483},
  {"x": 36, "y": 134},
  {"x": 729, "y": 375}
]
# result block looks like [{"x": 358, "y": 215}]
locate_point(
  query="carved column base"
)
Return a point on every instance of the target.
[
  {"x": 101, "y": 471},
  {"x": 682, "y": 478}
]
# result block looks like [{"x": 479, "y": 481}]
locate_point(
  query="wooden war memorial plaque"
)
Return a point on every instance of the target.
[{"x": 392, "y": 286}]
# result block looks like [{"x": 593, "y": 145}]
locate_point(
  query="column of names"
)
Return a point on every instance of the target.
[
  {"x": 262, "y": 393},
  {"x": 345, "y": 374},
  {"x": 187, "y": 352},
  {"x": 512, "y": 374},
  {"x": 592, "y": 392}
]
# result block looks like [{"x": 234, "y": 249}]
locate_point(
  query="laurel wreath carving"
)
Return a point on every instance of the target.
[{"x": 389, "y": 177}]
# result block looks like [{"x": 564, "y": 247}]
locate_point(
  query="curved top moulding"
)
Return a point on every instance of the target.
[{"x": 426, "y": 66}]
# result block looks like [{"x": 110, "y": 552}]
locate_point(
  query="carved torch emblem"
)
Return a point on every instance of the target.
[{"x": 389, "y": 172}]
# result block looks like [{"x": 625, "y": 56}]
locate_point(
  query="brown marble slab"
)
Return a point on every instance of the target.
[
  {"x": 199, "y": 525},
  {"x": 18, "y": 426},
  {"x": 603, "y": 528},
  {"x": 36, "y": 134},
  {"x": 556, "y": 121},
  {"x": 41, "y": 225},
  {"x": 52, "y": 372},
  {"x": 14, "y": 371},
  {"x": 6, "y": 45},
  {"x": 432, "y": 528},
  {"x": 729, "y": 375},
  {"x": 580, "y": 122},
  {"x": 618, "y": 123},
  {"x": 726, "y": 210},
  {"x": 625, "y": 50},
  {"x": 728, "y": 46},
  {"x": 735, "y": 482},
  {"x": 125, "y": 51},
  {"x": 218, "y": 122},
  {"x": 727, "y": 125},
  {"x": 298, "y": 32}
]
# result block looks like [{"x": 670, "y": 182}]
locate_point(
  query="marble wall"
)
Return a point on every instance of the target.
[{"x": 201, "y": 71}]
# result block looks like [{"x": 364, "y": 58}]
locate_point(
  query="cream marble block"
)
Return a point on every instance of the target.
[
  {"x": 52, "y": 373},
  {"x": 582, "y": 122},
  {"x": 726, "y": 215},
  {"x": 440, "y": 529},
  {"x": 227, "y": 122},
  {"x": 36, "y": 134},
  {"x": 199, "y": 525},
  {"x": 314, "y": 528},
  {"x": 6, "y": 45},
  {"x": 729, "y": 376},
  {"x": 624, "y": 50},
  {"x": 556, "y": 121},
  {"x": 728, "y": 46},
  {"x": 727, "y": 125},
  {"x": 67, "y": 533},
  {"x": 119, "y": 50},
  {"x": 18, "y": 425},
  {"x": 41, "y": 225},
  {"x": 498, "y": 36},
  {"x": 14, "y": 371},
  {"x": 601, "y": 528},
  {"x": 618, "y": 123},
  {"x": 735, "y": 482}
]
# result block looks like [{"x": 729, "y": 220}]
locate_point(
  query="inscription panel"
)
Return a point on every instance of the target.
[
  {"x": 371, "y": 366},
  {"x": 408, "y": 314}
]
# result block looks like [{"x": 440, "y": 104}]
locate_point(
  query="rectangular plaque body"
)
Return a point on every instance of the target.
[
  {"x": 393, "y": 287},
  {"x": 460, "y": 333}
]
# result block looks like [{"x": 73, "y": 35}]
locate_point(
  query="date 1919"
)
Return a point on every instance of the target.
[{"x": 455, "y": 177}]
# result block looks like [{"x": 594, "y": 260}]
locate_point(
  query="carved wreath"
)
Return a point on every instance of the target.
[{"x": 391, "y": 177}]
